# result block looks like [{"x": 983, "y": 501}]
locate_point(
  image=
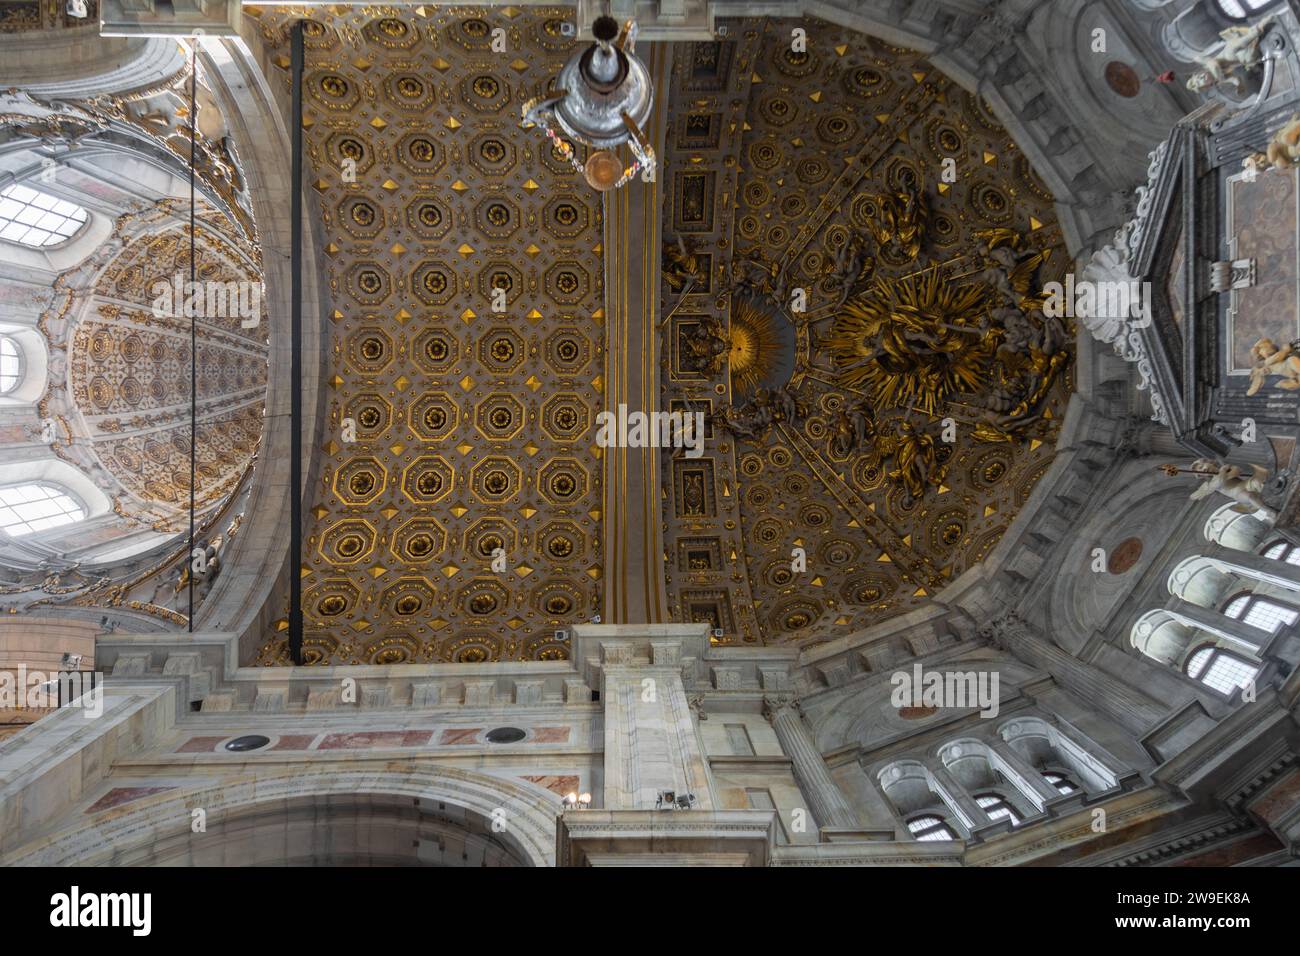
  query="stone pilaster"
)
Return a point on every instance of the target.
[
  {"x": 652, "y": 743},
  {"x": 1255, "y": 566},
  {"x": 1240, "y": 636},
  {"x": 826, "y": 800}
]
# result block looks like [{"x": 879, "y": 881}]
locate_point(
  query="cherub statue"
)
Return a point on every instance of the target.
[
  {"x": 1268, "y": 359},
  {"x": 736, "y": 421},
  {"x": 778, "y": 281},
  {"x": 1283, "y": 150},
  {"x": 784, "y": 405},
  {"x": 842, "y": 439},
  {"x": 1010, "y": 267},
  {"x": 863, "y": 419},
  {"x": 165, "y": 591},
  {"x": 913, "y": 450},
  {"x": 900, "y": 221},
  {"x": 1231, "y": 482},
  {"x": 681, "y": 267},
  {"x": 851, "y": 268},
  {"x": 705, "y": 346},
  {"x": 1240, "y": 52},
  {"x": 916, "y": 460},
  {"x": 748, "y": 278}
]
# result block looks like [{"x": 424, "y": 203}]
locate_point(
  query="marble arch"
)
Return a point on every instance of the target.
[{"x": 159, "y": 828}]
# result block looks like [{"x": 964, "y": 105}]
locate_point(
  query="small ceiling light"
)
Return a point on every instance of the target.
[{"x": 601, "y": 99}]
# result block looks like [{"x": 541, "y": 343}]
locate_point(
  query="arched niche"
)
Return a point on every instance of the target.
[
  {"x": 339, "y": 830},
  {"x": 1160, "y": 637},
  {"x": 34, "y": 356},
  {"x": 968, "y": 761},
  {"x": 1200, "y": 581},
  {"x": 1045, "y": 748},
  {"x": 907, "y": 785},
  {"x": 1232, "y": 529}
]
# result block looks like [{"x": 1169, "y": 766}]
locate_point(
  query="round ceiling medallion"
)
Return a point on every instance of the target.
[
  {"x": 1123, "y": 557},
  {"x": 1122, "y": 79}
]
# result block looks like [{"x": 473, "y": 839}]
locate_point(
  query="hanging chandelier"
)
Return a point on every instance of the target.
[{"x": 600, "y": 99}]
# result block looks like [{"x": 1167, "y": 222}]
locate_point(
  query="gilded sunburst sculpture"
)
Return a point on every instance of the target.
[
  {"x": 916, "y": 341},
  {"x": 756, "y": 344}
]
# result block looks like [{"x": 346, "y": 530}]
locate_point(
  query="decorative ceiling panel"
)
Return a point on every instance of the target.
[
  {"x": 126, "y": 403},
  {"x": 854, "y": 257},
  {"x": 471, "y": 426}
]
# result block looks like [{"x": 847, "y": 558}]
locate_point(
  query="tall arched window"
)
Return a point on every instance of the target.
[
  {"x": 1261, "y": 612},
  {"x": 11, "y": 364},
  {"x": 37, "y": 219},
  {"x": 1283, "y": 551},
  {"x": 1219, "y": 669},
  {"x": 1243, "y": 9},
  {"x": 35, "y": 507},
  {"x": 929, "y": 827}
]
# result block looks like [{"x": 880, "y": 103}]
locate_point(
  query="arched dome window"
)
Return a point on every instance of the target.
[
  {"x": 37, "y": 506},
  {"x": 1219, "y": 669},
  {"x": 929, "y": 827},
  {"x": 997, "y": 808},
  {"x": 1060, "y": 781},
  {"x": 34, "y": 218},
  {"x": 1283, "y": 551},
  {"x": 1243, "y": 9},
  {"x": 1261, "y": 612},
  {"x": 11, "y": 364}
]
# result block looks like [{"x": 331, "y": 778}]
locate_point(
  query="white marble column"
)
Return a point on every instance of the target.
[{"x": 827, "y": 801}]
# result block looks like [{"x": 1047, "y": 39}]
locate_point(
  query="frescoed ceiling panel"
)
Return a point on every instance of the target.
[
  {"x": 838, "y": 306},
  {"x": 469, "y": 427}
]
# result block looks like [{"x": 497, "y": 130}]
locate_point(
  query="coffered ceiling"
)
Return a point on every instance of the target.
[{"x": 473, "y": 427}]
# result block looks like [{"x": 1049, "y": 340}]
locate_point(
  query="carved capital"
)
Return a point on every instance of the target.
[
  {"x": 1005, "y": 630},
  {"x": 696, "y": 703},
  {"x": 773, "y": 704}
]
